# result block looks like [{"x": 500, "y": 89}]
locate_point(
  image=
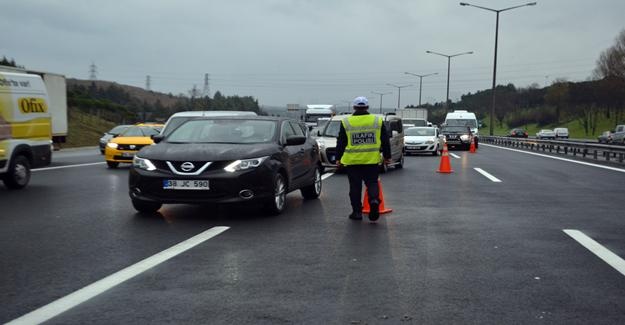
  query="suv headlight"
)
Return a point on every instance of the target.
[
  {"x": 112, "y": 145},
  {"x": 244, "y": 164},
  {"x": 464, "y": 137},
  {"x": 143, "y": 163}
]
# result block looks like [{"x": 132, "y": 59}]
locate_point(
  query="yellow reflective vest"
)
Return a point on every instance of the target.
[{"x": 363, "y": 140}]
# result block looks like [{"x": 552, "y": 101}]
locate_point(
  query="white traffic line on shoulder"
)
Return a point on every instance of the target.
[
  {"x": 487, "y": 175},
  {"x": 557, "y": 158},
  {"x": 63, "y": 304},
  {"x": 454, "y": 155},
  {"x": 68, "y": 166},
  {"x": 603, "y": 253},
  {"x": 327, "y": 175}
]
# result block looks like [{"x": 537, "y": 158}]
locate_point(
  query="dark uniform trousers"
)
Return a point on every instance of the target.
[{"x": 357, "y": 174}]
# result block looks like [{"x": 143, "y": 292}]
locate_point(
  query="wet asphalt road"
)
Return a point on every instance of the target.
[{"x": 457, "y": 248}]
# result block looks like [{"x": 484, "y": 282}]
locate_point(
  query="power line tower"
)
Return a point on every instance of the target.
[
  {"x": 207, "y": 91},
  {"x": 93, "y": 71},
  {"x": 147, "y": 83}
]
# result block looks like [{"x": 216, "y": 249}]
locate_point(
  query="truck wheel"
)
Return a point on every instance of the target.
[
  {"x": 146, "y": 206},
  {"x": 18, "y": 174}
]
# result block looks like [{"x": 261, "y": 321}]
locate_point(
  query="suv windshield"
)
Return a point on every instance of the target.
[
  {"x": 419, "y": 132},
  {"x": 455, "y": 129},
  {"x": 332, "y": 129},
  {"x": 462, "y": 122},
  {"x": 224, "y": 131}
]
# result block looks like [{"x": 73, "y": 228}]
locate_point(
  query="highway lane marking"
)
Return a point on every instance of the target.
[
  {"x": 454, "y": 155},
  {"x": 68, "y": 166},
  {"x": 325, "y": 176},
  {"x": 75, "y": 298},
  {"x": 558, "y": 158},
  {"x": 603, "y": 253},
  {"x": 487, "y": 175}
]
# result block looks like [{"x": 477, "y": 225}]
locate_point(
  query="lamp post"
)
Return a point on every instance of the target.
[
  {"x": 421, "y": 76},
  {"x": 399, "y": 93},
  {"x": 448, "y": 68},
  {"x": 381, "y": 94},
  {"x": 492, "y": 108}
]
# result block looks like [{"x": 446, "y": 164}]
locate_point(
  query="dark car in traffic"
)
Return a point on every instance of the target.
[
  {"x": 458, "y": 136},
  {"x": 518, "y": 133},
  {"x": 227, "y": 160}
]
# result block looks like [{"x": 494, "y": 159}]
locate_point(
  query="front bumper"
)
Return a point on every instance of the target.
[
  {"x": 122, "y": 156},
  {"x": 419, "y": 148},
  {"x": 224, "y": 187}
]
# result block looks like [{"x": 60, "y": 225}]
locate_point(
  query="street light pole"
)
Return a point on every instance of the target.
[
  {"x": 381, "y": 94},
  {"x": 399, "y": 93},
  {"x": 448, "y": 69},
  {"x": 421, "y": 76},
  {"x": 492, "y": 108}
]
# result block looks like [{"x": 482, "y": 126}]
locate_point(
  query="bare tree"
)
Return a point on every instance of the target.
[{"x": 611, "y": 62}]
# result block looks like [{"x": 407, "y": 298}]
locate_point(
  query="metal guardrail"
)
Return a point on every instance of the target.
[{"x": 599, "y": 152}]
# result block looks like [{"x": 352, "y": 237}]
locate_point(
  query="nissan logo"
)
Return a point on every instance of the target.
[{"x": 187, "y": 166}]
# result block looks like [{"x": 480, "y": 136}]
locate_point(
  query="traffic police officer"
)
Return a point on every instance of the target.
[{"x": 361, "y": 137}]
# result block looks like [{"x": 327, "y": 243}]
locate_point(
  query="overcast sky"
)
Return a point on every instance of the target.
[{"x": 310, "y": 51}]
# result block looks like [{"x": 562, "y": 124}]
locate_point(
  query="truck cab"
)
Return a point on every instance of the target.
[{"x": 25, "y": 127}]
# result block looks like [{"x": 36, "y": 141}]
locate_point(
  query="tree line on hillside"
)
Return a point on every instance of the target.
[
  {"x": 115, "y": 104},
  {"x": 561, "y": 102}
]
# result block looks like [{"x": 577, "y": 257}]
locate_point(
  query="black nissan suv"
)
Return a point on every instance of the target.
[{"x": 227, "y": 160}]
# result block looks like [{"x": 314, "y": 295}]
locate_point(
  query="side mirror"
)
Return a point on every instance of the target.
[
  {"x": 157, "y": 138},
  {"x": 295, "y": 140}
]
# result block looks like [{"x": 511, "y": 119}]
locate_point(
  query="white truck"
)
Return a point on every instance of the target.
[
  {"x": 57, "y": 100},
  {"x": 414, "y": 117},
  {"x": 314, "y": 112}
]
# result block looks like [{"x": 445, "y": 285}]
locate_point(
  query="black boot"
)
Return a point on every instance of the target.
[
  {"x": 374, "y": 214},
  {"x": 355, "y": 215}
]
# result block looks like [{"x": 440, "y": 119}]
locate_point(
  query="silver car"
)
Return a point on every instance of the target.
[{"x": 110, "y": 134}]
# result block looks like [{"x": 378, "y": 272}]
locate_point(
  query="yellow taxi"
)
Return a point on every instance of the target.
[{"x": 123, "y": 147}]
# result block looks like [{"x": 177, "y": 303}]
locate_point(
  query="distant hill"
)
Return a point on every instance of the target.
[{"x": 139, "y": 94}]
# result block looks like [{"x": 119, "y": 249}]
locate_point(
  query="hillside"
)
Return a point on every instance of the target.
[{"x": 140, "y": 94}]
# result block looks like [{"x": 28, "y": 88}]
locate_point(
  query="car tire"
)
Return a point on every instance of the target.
[
  {"x": 112, "y": 164},
  {"x": 146, "y": 206},
  {"x": 313, "y": 190},
  {"x": 277, "y": 203},
  {"x": 18, "y": 174}
]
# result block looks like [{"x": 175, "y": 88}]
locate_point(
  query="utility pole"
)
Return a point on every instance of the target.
[
  {"x": 421, "y": 76},
  {"x": 93, "y": 72},
  {"x": 399, "y": 93},
  {"x": 147, "y": 83},
  {"x": 448, "y": 69},
  {"x": 206, "y": 92},
  {"x": 381, "y": 94}
]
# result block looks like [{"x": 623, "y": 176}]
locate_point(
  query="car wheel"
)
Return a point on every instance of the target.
[
  {"x": 400, "y": 164},
  {"x": 18, "y": 174},
  {"x": 146, "y": 206},
  {"x": 112, "y": 164},
  {"x": 313, "y": 190},
  {"x": 276, "y": 204}
]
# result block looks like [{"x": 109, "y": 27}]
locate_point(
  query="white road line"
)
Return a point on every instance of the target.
[
  {"x": 487, "y": 175},
  {"x": 324, "y": 176},
  {"x": 558, "y": 158},
  {"x": 77, "y": 297},
  {"x": 454, "y": 155},
  {"x": 68, "y": 166},
  {"x": 603, "y": 253}
]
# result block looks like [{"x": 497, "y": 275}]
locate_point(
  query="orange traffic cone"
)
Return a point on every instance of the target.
[
  {"x": 365, "y": 202},
  {"x": 472, "y": 146},
  {"x": 445, "y": 166}
]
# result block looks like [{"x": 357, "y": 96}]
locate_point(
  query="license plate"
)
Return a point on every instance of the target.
[
  {"x": 189, "y": 184},
  {"x": 411, "y": 148},
  {"x": 127, "y": 154}
]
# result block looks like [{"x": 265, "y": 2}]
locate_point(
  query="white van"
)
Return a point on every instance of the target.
[
  {"x": 25, "y": 127},
  {"x": 463, "y": 118}
]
